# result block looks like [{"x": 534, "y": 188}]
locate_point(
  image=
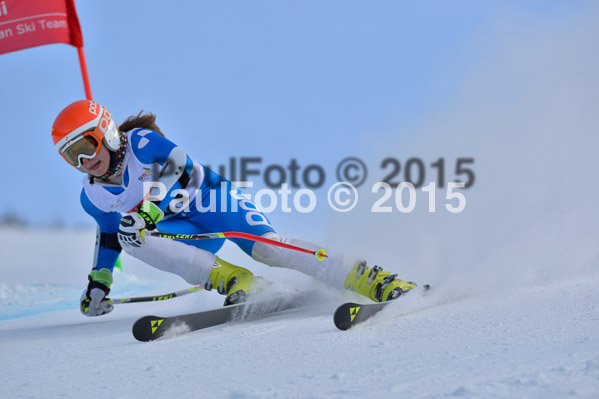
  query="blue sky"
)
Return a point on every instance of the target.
[{"x": 313, "y": 80}]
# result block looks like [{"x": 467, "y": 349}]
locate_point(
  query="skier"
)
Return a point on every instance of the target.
[{"x": 137, "y": 180}]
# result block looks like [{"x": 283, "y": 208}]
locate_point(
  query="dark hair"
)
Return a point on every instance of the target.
[{"x": 147, "y": 121}]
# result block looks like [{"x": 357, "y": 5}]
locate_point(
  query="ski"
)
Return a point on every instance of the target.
[
  {"x": 150, "y": 328},
  {"x": 350, "y": 313}
]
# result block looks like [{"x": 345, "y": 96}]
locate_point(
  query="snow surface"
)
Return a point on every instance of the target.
[{"x": 515, "y": 341}]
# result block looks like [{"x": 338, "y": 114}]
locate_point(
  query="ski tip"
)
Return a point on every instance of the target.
[
  {"x": 345, "y": 314},
  {"x": 148, "y": 328}
]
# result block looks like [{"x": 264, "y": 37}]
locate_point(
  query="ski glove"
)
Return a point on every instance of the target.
[
  {"x": 132, "y": 226},
  {"x": 93, "y": 301}
]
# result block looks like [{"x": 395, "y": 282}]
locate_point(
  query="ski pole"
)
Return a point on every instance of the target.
[
  {"x": 320, "y": 254},
  {"x": 164, "y": 297}
]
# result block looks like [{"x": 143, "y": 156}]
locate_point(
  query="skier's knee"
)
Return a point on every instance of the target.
[
  {"x": 190, "y": 263},
  {"x": 268, "y": 253}
]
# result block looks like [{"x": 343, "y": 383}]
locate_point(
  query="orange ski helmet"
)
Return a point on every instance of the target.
[{"x": 80, "y": 129}]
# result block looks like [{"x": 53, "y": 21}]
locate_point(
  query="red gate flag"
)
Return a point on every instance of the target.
[{"x": 30, "y": 23}]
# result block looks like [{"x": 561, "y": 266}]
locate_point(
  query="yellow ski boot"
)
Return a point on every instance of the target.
[
  {"x": 376, "y": 284},
  {"x": 233, "y": 281}
]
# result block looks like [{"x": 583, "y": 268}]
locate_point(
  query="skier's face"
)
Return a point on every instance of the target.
[{"x": 97, "y": 165}]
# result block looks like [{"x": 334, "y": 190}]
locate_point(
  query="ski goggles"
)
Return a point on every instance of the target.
[
  {"x": 85, "y": 141},
  {"x": 85, "y": 146}
]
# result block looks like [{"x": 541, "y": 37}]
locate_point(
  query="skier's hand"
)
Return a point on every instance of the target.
[
  {"x": 132, "y": 226},
  {"x": 130, "y": 229},
  {"x": 93, "y": 301}
]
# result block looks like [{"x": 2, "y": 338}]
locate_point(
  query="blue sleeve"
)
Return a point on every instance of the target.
[
  {"x": 108, "y": 224},
  {"x": 150, "y": 147}
]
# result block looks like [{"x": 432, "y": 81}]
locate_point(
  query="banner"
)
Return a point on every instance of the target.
[{"x": 30, "y": 23}]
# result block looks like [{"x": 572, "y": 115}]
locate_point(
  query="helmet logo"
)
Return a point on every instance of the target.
[
  {"x": 105, "y": 121},
  {"x": 93, "y": 108}
]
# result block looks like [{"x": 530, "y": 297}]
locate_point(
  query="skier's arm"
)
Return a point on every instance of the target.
[
  {"x": 175, "y": 169},
  {"x": 108, "y": 248},
  {"x": 175, "y": 165},
  {"x": 93, "y": 301}
]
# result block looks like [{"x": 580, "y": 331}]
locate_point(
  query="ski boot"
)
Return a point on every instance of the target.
[
  {"x": 376, "y": 284},
  {"x": 233, "y": 281}
]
